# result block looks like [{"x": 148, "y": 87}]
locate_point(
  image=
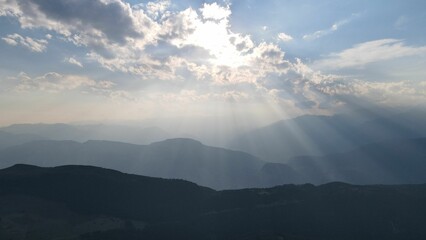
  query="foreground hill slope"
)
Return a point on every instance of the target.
[{"x": 80, "y": 202}]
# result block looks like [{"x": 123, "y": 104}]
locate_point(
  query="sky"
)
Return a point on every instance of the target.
[{"x": 245, "y": 60}]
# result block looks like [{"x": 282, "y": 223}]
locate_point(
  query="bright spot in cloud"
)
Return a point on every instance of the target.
[{"x": 215, "y": 12}]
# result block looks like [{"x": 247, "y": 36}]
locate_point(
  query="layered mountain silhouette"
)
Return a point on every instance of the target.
[
  {"x": 82, "y": 133},
  {"x": 175, "y": 158},
  {"x": 9, "y": 139},
  {"x": 277, "y": 142},
  {"x": 81, "y": 202},
  {"x": 364, "y": 148},
  {"x": 322, "y": 135},
  {"x": 393, "y": 162}
]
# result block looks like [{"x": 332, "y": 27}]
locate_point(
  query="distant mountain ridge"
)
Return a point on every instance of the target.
[
  {"x": 82, "y": 133},
  {"x": 278, "y": 142},
  {"x": 82, "y": 202},
  {"x": 9, "y": 139},
  {"x": 392, "y": 162},
  {"x": 365, "y": 148},
  {"x": 174, "y": 158},
  {"x": 323, "y": 135}
]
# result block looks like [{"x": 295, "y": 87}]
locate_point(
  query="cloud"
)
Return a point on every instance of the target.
[
  {"x": 215, "y": 12},
  {"x": 10, "y": 40},
  {"x": 232, "y": 58},
  {"x": 73, "y": 61},
  {"x": 284, "y": 37},
  {"x": 390, "y": 93},
  {"x": 54, "y": 82},
  {"x": 205, "y": 31},
  {"x": 118, "y": 35},
  {"x": 34, "y": 45},
  {"x": 156, "y": 9},
  {"x": 194, "y": 50},
  {"x": 336, "y": 26},
  {"x": 98, "y": 25},
  {"x": 109, "y": 18},
  {"x": 369, "y": 52},
  {"x": 339, "y": 89}
]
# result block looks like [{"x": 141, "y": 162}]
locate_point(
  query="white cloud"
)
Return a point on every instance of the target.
[
  {"x": 215, "y": 12},
  {"x": 214, "y": 35},
  {"x": 8, "y": 8},
  {"x": 35, "y": 45},
  {"x": 336, "y": 26},
  {"x": 73, "y": 61},
  {"x": 54, "y": 82},
  {"x": 284, "y": 37},
  {"x": 390, "y": 93},
  {"x": 156, "y": 9},
  {"x": 369, "y": 52},
  {"x": 10, "y": 41}
]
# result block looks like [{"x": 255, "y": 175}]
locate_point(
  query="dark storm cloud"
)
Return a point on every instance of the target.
[{"x": 112, "y": 19}]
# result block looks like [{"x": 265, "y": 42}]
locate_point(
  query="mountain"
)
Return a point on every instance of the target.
[
  {"x": 305, "y": 135},
  {"x": 322, "y": 135},
  {"x": 175, "y": 158},
  {"x": 82, "y": 133},
  {"x": 392, "y": 162},
  {"x": 273, "y": 174},
  {"x": 81, "y": 202},
  {"x": 9, "y": 139}
]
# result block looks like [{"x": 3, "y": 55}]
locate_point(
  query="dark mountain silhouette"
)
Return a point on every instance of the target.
[
  {"x": 80, "y": 202},
  {"x": 175, "y": 158},
  {"x": 322, "y": 135},
  {"x": 82, "y": 133}
]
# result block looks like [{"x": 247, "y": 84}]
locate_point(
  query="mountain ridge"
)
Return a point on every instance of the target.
[
  {"x": 176, "y": 158},
  {"x": 390, "y": 162}
]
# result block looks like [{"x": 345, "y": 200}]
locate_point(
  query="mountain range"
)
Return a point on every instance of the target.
[
  {"x": 82, "y": 133},
  {"x": 323, "y": 135},
  {"x": 394, "y": 162},
  {"x": 174, "y": 158},
  {"x": 364, "y": 148}
]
